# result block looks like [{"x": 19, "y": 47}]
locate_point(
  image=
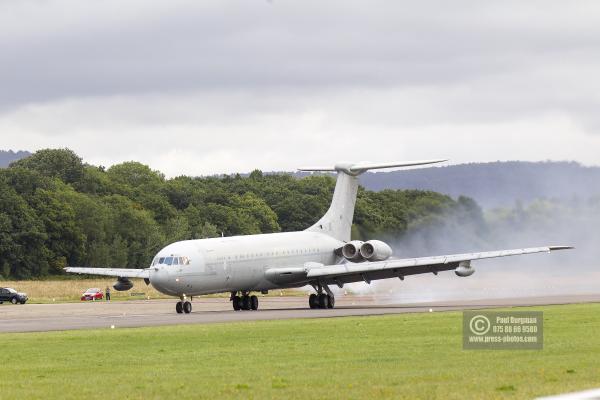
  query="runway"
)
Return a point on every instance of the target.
[{"x": 128, "y": 314}]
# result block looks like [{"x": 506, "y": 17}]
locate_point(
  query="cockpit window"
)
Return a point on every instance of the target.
[{"x": 171, "y": 261}]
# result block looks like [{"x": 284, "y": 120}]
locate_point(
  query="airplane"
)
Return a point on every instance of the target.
[{"x": 320, "y": 256}]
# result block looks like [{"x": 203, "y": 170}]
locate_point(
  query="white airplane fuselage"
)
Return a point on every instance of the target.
[{"x": 238, "y": 263}]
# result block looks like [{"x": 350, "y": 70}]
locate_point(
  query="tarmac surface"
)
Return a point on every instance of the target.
[{"x": 139, "y": 313}]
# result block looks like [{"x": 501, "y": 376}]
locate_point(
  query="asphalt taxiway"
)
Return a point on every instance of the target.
[{"x": 139, "y": 313}]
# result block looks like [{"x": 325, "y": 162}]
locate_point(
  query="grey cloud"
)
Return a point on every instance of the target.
[
  {"x": 221, "y": 81},
  {"x": 256, "y": 45}
]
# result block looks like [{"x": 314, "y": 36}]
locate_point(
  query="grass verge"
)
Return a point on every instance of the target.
[{"x": 409, "y": 356}]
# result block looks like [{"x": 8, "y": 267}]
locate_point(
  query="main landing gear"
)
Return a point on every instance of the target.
[
  {"x": 243, "y": 302},
  {"x": 183, "y": 306},
  {"x": 321, "y": 299}
]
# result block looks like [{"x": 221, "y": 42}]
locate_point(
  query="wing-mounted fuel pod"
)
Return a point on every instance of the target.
[
  {"x": 122, "y": 284},
  {"x": 464, "y": 269}
]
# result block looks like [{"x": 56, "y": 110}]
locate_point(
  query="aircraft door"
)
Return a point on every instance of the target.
[{"x": 227, "y": 270}]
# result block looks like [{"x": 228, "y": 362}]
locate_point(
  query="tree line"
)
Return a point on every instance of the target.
[{"x": 56, "y": 210}]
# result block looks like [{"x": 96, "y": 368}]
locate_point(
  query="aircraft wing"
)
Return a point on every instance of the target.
[
  {"x": 117, "y": 272},
  {"x": 399, "y": 268}
]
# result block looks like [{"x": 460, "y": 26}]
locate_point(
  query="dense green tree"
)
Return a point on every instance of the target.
[
  {"x": 65, "y": 241},
  {"x": 63, "y": 164},
  {"x": 94, "y": 181},
  {"x": 22, "y": 237},
  {"x": 207, "y": 230},
  {"x": 134, "y": 225},
  {"x": 183, "y": 191},
  {"x": 256, "y": 174},
  {"x": 25, "y": 181},
  {"x": 177, "y": 229},
  {"x": 297, "y": 212},
  {"x": 134, "y": 174},
  {"x": 265, "y": 220},
  {"x": 93, "y": 219}
]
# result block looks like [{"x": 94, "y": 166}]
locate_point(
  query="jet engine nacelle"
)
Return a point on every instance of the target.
[
  {"x": 464, "y": 269},
  {"x": 375, "y": 250},
  {"x": 123, "y": 284},
  {"x": 351, "y": 250}
]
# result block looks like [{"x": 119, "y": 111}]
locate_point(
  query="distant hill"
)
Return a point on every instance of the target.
[
  {"x": 6, "y": 157},
  {"x": 496, "y": 184}
]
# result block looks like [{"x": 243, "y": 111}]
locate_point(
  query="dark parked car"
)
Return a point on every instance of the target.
[{"x": 10, "y": 294}]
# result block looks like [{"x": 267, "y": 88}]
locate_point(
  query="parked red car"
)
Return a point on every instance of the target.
[{"x": 92, "y": 294}]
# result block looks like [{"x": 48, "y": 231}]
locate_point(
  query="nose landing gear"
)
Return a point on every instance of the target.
[
  {"x": 243, "y": 302},
  {"x": 183, "y": 306}
]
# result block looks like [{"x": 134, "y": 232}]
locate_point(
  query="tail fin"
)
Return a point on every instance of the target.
[{"x": 337, "y": 222}]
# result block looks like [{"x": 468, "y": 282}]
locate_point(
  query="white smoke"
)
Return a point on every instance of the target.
[{"x": 541, "y": 223}]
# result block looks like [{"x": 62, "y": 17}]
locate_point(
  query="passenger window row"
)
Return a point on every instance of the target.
[
  {"x": 186, "y": 261},
  {"x": 270, "y": 254}
]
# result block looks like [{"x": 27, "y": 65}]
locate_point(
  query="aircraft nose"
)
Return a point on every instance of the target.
[
  {"x": 163, "y": 280},
  {"x": 158, "y": 276}
]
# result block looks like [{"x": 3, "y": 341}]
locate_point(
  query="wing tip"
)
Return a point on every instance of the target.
[
  {"x": 554, "y": 248},
  {"x": 316, "y": 169}
]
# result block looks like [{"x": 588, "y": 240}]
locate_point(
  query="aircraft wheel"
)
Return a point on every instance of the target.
[
  {"x": 254, "y": 302},
  {"x": 237, "y": 303},
  {"x": 187, "y": 307},
  {"x": 245, "y": 302},
  {"x": 313, "y": 301},
  {"x": 323, "y": 301},
  {"x": 179, "y": 307},
  {"x": 331, "y": 302}
]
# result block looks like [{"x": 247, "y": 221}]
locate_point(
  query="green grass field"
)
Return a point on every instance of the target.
[{"x": 402, "y": 356}]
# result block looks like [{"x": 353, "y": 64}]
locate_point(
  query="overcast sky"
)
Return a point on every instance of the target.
[{"x": 208, "y": 87}]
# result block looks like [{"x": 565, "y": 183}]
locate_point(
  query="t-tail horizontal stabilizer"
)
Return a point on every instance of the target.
[{"x": 359, "y": 168}]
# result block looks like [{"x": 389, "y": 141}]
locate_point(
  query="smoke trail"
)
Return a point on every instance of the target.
[{"x": 542, "y": 222}]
